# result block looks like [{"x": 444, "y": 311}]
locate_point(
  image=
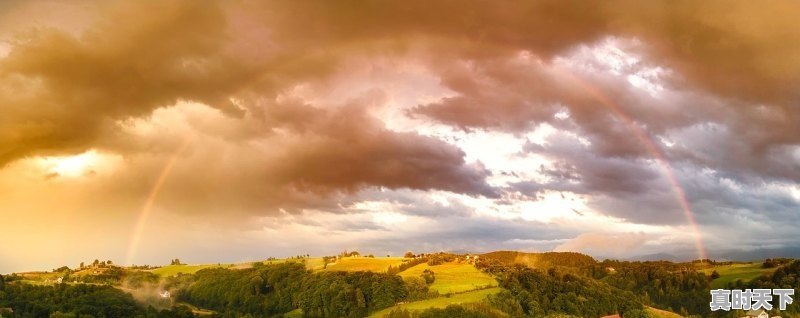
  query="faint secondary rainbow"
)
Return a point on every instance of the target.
[
  {"x": 651, "y": 147},
  {"x": 147, "y": 209}
]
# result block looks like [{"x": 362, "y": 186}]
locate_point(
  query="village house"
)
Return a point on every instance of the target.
[
  {"x": 472, "y": 259},
  {"x": 165, "y": 294}
]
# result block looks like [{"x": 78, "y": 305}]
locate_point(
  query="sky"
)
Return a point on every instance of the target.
[{"x": 227, "y": 131}]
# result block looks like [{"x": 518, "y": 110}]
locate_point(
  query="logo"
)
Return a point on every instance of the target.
[{"x": 755, "y": 299}]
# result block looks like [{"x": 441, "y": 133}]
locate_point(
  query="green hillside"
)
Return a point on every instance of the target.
[
  {"x": 541, "y": 260},
  {"x": 733, "y": 272},
  {"x": 354, "y": 264},
  {"x": 441, "y": 302},
  {"x": 453, "y": 277},
  {"x": 658, "y": 313},
  {"x": 172, "y": 270}
]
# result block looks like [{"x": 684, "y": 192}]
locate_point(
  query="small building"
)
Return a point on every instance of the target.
[
  {"x": 757, "y": 313},
  {"x": 472, "y": 259},
  {"x": 165, "y": 294}
]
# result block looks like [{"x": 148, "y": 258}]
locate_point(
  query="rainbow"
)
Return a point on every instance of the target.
[
  {"x": 144, "y": 214},
  {"x": 652, "y": 148}
]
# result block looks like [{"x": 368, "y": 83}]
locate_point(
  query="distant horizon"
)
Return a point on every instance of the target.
[{"x": 674, "y": 257}]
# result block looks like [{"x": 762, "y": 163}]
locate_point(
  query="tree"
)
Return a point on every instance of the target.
[
  {"x": 409, "y": 254},
  {"x": 61, "y": 269},
  {"x": 256, "y": 283},
  {"x": 714, "y": 275},
  {"x": 82, "y": 265},
  {"x": 416, "y": 288},
  {"x": 2, "y": 282},
  {"x": 361, "y": 302},
  {"x": 428, "y": 276}
]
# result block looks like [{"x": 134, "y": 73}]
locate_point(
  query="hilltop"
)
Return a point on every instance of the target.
[{"x": 542, "y": 260}]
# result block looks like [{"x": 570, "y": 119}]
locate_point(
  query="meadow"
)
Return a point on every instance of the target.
[
  {"x": 453, "y": 277},
  {"x": 737, "y": 271},
  {"x": 658, "y": 313},
  {"x": 172, "y": 270},
  {"x": 457, "y": 283},
  {"x": 442, "y": 301},
  {"x": 354, "y": 264}
]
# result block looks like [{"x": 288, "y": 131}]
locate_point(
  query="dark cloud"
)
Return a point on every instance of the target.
[
  {"x": 709, "y": 44},
  {"x": 315, "y": 159},
  {"x": 62, "y": 92},
  {"x": 725, "y": 102},
  {"x": 65, "y": 94}
]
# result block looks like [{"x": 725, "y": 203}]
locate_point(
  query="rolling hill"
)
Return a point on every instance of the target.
[
  {"x": 354, "y": 264},
  {"x": 542, "y": 260},
  {"x": 737, "y": 271}
]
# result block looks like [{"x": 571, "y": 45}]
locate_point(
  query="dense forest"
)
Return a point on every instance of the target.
[
  {"x": 82, "y": 300},
  {"x": 541, "y": 293},
  {"x": 562, "y": 260},
  {"x": 660, "y": 284},
  {"x": 274, "y": 289}
]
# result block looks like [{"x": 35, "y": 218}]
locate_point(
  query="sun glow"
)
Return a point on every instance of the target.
[{"x": 71, "y": 166}]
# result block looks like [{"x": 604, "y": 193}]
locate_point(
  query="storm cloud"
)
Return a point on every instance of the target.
[{"x": 482, "y": 124}]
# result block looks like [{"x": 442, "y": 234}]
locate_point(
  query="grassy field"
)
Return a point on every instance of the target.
[
  {"x": 658, "y": 313},
  {"x": 453, "y": 277},
  {"x": 733, "y": 272},
  {"x": 198, "y": 311},
  {"x": 314, "y": 263},
  {"x": 441, "y": 302},
  {"x": 172, "y": 270},
  {"x": 354, "y": 264}
]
